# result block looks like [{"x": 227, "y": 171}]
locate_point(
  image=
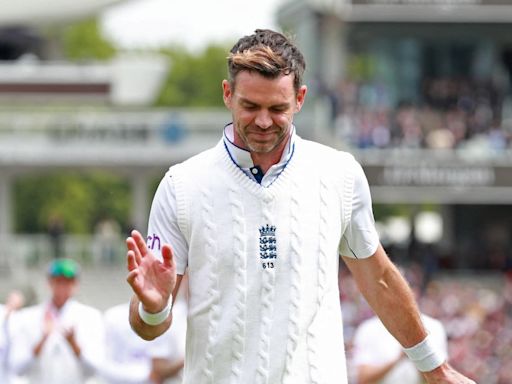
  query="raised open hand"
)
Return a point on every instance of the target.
[{"x": 152, "y": 280}]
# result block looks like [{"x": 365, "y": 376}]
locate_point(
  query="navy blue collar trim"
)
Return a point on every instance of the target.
[
  {"x": 234, "y": 162},
  {"x": 251, "y": 178}
]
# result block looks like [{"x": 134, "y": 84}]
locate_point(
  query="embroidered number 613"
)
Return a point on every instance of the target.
[{"x": 267, "y": 264}]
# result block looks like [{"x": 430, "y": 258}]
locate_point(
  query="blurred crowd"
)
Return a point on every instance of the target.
[
  {"x": 477, "y": 318},
  {"x": 450, "y": 113}
]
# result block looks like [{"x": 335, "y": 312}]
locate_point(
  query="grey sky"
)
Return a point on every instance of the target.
[{"x": 195, "y": 23}]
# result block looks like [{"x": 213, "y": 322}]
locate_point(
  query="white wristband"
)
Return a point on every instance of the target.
[
  {"x": 155, "y": 318},
  {"x": 425, "y": 355}
]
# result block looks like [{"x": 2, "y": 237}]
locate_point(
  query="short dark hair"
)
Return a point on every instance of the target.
[{"x": 269, "y": 53}]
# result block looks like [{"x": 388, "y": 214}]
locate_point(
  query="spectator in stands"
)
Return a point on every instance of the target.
[
  {"x": 14, "y": 302},
  {"x": 55, "y": 233},
  {"x": 449, "y": 113},
  {"x": 59, "y": 341},
  {"x": 108, "y": 234},
  {"x": 478, "y": 327}
]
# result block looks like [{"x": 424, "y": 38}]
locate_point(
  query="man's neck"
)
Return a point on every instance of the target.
[{"x": 267, "y": 160}]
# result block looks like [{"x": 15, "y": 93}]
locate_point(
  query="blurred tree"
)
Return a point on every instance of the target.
[
  {"x": 194, "y": 80},
  {"x": 84, "y": 41},
  {"x": 79, "y": 200}
]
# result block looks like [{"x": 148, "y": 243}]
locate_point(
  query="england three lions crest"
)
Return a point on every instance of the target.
[{"x": 268, "y": 244}]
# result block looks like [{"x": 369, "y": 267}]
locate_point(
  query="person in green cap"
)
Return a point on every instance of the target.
[{"x": 61, "y": 339}]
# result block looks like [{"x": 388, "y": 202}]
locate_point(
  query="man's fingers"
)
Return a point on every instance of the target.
[
  {"x": 132, "y": 247},
  {"x": 133, "y": 281},
  {"x": 168, "y": 259},
  {"x": 131, "y": 261},
  {"x": 140, "y": 241},
  {"x": 131, "y": 277}
]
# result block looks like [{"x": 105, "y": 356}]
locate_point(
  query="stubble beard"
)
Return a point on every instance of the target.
[{"x": 263, "y": 147}]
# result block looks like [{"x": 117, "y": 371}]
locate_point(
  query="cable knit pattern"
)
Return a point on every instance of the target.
[
  {"x": 267, "y": 300},
  {"x": 214, "y": 292},
  {"x": 239, "y": 253},
  {"x": 295, "y": 294},
  {"x": 313, "y": 347}
]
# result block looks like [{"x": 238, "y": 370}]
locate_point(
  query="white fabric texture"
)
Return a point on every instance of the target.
[
  {"x": 374, "y": 345},
  {"x": 57, "y": 363},
  {"x": 255, "y": 316}
]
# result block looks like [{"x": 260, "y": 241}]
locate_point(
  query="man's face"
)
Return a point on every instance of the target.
[
  {"x": 262, "y": 110},
  {"x": 62, "y": 289}
]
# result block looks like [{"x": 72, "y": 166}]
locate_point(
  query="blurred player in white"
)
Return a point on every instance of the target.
[
  {"x": 379, "y": 359},
  {"x": 59, "y": 341},
  {"x": 132, "y": 360},
  {"x": 14, "y": 301},
  {"x": 168, "y": 351}
]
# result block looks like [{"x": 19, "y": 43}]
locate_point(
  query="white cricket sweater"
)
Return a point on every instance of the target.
[{"x": 263, "y": 267}]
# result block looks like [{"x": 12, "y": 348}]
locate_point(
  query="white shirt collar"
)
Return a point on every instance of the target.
[{"x": 242, "y": 158}]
